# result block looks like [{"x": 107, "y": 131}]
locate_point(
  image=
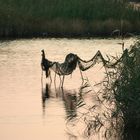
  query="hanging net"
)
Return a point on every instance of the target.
[{"x": 72, "y": 61}]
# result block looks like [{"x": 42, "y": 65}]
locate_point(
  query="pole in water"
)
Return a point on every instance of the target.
[
  {"x": 81, "y": 76},
  {"x": 60, "y": 81},
  {"x": 55, "y": 81},
  {"x": 63, "y": 81},
  {"x": 50, "y": 77}
]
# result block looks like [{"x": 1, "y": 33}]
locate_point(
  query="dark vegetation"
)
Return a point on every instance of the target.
[
  {"x": 127, "y": 91},
  {"x": 135, "y": 0},
  {"x": 61, "y": 18},
  {"x": 117, "y": 105},
  {"x": 123, "y": 89}
]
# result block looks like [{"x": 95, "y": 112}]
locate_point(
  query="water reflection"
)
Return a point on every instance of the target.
[
  {"x": 70, "y": 102},
  {"x": 45, "y": 96},
  {"x": 69, "y": 99}
]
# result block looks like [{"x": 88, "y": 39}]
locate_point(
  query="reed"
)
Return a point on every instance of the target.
[
  {"x": 123, "y": 89},
  {"x": 115, "y": 110}
]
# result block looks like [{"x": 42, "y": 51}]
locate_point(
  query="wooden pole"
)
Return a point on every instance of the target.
[
  {"x": 81, "y": 76},
  {"x": 63, "y": 81},
  {"x": 55, "y": 81}
]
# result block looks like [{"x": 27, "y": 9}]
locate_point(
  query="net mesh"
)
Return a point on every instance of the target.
[{"x": 72, "y": 61}]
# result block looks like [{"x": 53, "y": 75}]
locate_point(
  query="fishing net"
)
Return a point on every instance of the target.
[
  {"x": 67, "y": 67},
  {"x": 72, "y": 61},
  {"x": 85, "y": 65}
]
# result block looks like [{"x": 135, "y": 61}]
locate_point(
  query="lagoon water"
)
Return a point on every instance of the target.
[{"x": 24, "y": 113}]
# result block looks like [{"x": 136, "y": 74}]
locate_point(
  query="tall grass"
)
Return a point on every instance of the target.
[
  {"x": 115, "y": 112},
  {"x": 62, "y": 18},
  {"x": 124, "y": 87}
]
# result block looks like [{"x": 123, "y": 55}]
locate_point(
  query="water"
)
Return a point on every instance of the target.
[{"x": 25, "y": 112}]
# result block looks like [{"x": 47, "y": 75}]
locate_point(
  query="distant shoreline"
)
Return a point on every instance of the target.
[
  {"x": 67, "y": 37},
  {"x": 70, "y": 19},
  {"x": 77, "y": 29}
]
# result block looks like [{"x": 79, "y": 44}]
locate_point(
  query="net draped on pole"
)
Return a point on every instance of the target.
[{"x": 72, "y": 61}]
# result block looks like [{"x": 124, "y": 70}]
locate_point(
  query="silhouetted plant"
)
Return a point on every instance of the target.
[{"x": 117, "y": 110}]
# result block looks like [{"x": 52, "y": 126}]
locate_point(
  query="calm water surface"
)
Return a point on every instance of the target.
[{"x": 24, "y": 115}]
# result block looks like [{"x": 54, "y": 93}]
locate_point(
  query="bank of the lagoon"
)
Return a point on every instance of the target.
[{"x": 71, "y": 18}]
